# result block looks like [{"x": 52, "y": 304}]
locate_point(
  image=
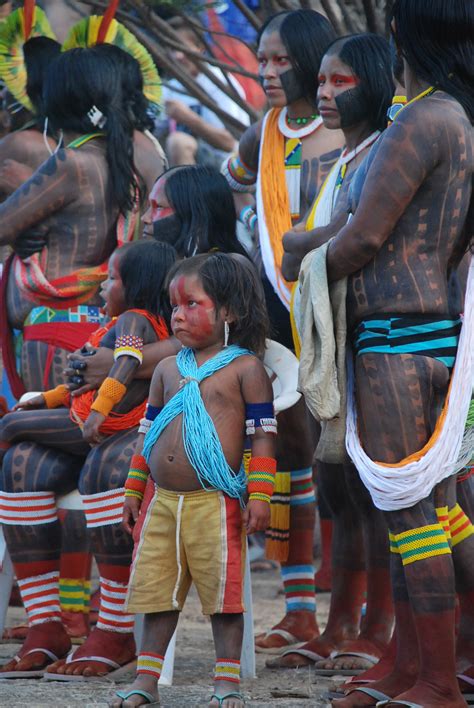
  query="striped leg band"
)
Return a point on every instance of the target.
[
  {"x": 151, "y": 664},
  {"x": 302, "y": 488},
  {"x": 28, "y": 508},
  {"x": 421, "y": 543},
  {"x": 227, "y": 670},
  {"x": 40, "y": 595},
  {"x": 298, "y": 583},
  {"x": 460, "y": 525},
  {"x": 104, "y": 508},
  {"x": 443, "y": 518},
  {"x": 112, "y": 600},
  {"x": 75, "y": 594},
  {"x": 393, "y": 543}
]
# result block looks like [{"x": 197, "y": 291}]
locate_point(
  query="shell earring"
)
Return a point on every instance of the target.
[{"x": 226, "y": 333}]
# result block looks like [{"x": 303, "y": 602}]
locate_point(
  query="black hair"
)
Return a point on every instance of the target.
[
  {"x": 79, "y": 80},
  {"x": 132, "y": 84},
  {"x": 397, "y": 62},
  {"x": 143, "y": 267},
  {"x": 38, "y": 53},
  {"x": 368, "y": 55},
  {"x": 437, "y": 40},
  {"x": 202, "y": 201},
  {"x": 232, "y": 282},
  {"x": 306, "y": 35}
]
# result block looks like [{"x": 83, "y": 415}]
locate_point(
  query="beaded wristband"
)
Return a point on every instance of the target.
[
  {"x": 261, "y": 478},
  {"x": 110, "y": 393},
  {"x": 129, "y": 345},
  {"x": 248, "y": 218},
  {"x": 238, "y": 176},
  {"x": 56, "y": 397},
  {"x": 138, "y": 474}
]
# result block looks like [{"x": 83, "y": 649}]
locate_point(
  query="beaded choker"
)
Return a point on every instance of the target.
[{"x": 301, "y": 121}]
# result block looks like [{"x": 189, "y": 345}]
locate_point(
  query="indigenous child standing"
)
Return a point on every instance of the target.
[{"x": 202, "y": 404}]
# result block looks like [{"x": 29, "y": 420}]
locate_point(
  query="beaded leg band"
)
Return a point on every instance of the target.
[
  {"x": 227, "y": 670},
  {"x": 151, "y": 664},
  {"x": 460, "y": 525},
  {"x": 420, "y": 543}
]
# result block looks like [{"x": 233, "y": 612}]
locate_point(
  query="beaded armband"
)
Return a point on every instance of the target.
[
  {"x": 57, "y": 397},
  {"x": 260, "y": 415},
  {"x": 249, "y": 219},
  {"x": 150, "y": 415},
  {"x": 110, "y": 393},
  {"x": 261, "y": 478},
  {"x": 137, "y": 477},
  {"x": 129, "y": 345},
  {"x": 240, "y": 178}
]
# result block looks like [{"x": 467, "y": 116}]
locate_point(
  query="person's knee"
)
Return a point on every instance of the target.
[
  {"x": 15, "y": 477},
  {"x": 102, "y": 473},
  {"x": 181, "y": 148},
  {"x": 9, "y": 427}
]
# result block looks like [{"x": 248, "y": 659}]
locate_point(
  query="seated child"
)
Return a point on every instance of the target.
[
  {"x": 137, "y": 305},
  {"x": 202, "y": 404}
]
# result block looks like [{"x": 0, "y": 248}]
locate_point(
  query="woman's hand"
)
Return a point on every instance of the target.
[
  {"x": 131, "y": 510},
  {"x": 31, "y": 404},
  {"x": 90, "y": 431},
  {"x": 94, "y": 367}
]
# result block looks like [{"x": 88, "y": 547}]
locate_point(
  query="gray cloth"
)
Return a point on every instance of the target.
[{"x": 321, "y": 320}]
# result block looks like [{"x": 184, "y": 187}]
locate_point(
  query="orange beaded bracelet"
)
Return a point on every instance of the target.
[
  {"x": 261, "y": 478},
  {"x": 110, "y": 393},
  {"x": 56, "y": 397}
]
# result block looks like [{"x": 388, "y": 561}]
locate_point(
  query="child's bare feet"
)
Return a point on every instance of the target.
[
  {"x": 225, "y": 696},
  {"x": 142, "y": 692}
]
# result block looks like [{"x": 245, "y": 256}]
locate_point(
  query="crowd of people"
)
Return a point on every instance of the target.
[{"x": 138, "y": 300}]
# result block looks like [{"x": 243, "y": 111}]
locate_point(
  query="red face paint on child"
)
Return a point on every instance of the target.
[{"x": 193, "y": 319}]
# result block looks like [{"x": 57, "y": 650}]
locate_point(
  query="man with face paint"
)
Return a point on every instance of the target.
[
  {"x": 288, "y": 155},
  {"x": 355, "y": 90}
]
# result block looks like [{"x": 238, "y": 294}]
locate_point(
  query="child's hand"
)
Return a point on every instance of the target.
[
  {"x": 256, "y": 516},
  {"x": 31, "y": 404},
  {"x": 131, "y": 510},
  {"x": 90, "y": 431}
]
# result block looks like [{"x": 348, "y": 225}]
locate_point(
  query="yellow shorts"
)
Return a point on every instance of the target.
[{"x": 189, "y": 537}]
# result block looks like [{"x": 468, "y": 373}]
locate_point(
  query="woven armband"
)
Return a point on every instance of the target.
[
  {"x": 150, "y": 415},
  {"x": 261, "y": 479},
  {"x": 137, "y": 477},
  {"x": 249, "y": 219},
  {"x": 260, "y": 415},
  {"x": 56, "y": 397},
  {"x": 129, "y": 345},
  {"x": 110, "y": 393},
  {"x": 240, "y": 178}
]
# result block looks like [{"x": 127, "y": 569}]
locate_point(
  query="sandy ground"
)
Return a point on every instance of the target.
[{"x": 193, "y": 666}]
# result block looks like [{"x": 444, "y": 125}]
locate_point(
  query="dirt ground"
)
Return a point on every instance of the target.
[{"x": 193, "y": 666}]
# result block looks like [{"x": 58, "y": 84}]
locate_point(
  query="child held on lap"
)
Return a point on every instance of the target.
[{"x": 202, "y": 404}]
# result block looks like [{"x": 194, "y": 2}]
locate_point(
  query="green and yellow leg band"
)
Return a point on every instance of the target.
[
  {"x": 75, "y": 594},
  {"x": 421, "y": 543},
  {"x": 393, "y": 543},
  {"x": 460, "y": 525}
]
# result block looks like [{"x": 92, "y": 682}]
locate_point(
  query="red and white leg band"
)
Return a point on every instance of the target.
[
  {"x": 112, "y": 601},
  {"x": 40, "y": 595},
  {"x": 28, "y": 508},
  {"x": 227, "y": 670},
  {"x": 104, "y": 508},
  {"x": 150, "y": 664}
]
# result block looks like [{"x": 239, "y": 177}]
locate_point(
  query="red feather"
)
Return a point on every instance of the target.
[
  {"x": 109, "y": 15},
  {"x": 28, "y": 12}
]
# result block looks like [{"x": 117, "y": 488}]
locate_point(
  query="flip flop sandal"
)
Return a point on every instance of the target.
[
  {"x": 292, "y": 642},
  {"x": 273, "y": 663},
  {"x": 394, "y": 702},
  {"x": 149, "y": 697},
  {"x": 34, "y": 673},
  {"x": 468, "y": 697},
  {"x": 117, "y": 670},
  {"x": 379, "y": 697},
  {"x": 347, "y": 672},
  {"x": 221, "y": 699}
]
